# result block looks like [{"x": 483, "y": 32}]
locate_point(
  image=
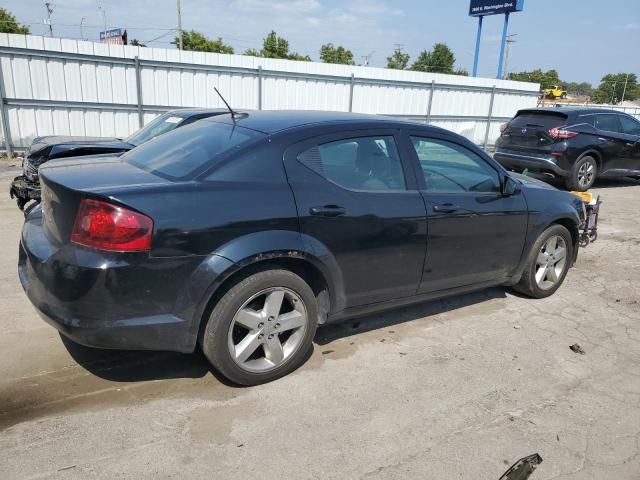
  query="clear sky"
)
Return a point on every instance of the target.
[{"x": 582, "y": 39}]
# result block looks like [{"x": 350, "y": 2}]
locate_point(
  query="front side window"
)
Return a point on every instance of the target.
[
  {"x": 630, "y": 125},
  {"x": 607, "y": 122},
  {"x": 363, "y": 163},
  {"x": 451, "y": 168}
]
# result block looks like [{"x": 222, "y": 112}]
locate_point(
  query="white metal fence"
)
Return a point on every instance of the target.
[{"x": 68, "y": 87}]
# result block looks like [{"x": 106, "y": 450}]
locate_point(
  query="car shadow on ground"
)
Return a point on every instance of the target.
[
  {"x": 389, "y": 318},
  {"x": 141, "y": 366}
]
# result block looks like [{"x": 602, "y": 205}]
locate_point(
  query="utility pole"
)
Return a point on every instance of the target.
[
  {"x": 510, "y": 40},
  {"x": 624, "y": 90},
  {"x": 49, "y": 12},
  {"x": 81, "y": 31},
  {"x": 104, "y": 20},
  {"x": 367, "y": 58},
  {"x": 179, "y": 26}
]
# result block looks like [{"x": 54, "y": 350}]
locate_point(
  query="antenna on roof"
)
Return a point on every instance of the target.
[{"x": 231, "y": 111}]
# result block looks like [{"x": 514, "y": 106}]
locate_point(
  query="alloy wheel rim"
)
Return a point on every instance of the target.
[
  {"x": 585, "y": 174},
  {"x": 551, "y": 262},
  {"x": 267, "y": 329}
]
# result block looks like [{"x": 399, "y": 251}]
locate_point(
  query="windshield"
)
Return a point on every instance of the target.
[
  {"x": 159, "y": 125},
  {"x": 182, "y": 152}
]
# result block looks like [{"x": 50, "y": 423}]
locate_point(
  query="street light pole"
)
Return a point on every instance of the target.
[
  {"x": 477, "y": 52},
  {"x": 624, "y": 90}
]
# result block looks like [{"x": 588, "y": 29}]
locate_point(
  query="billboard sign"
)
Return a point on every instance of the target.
[
  {"x": 480, "y": 8},
  {"x": 115, "y": 35}
]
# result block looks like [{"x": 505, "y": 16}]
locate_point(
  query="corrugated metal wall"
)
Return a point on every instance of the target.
[{"x": 60, "y": 86}]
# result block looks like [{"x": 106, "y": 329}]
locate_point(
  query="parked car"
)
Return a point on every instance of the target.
[
  {"x": 244, "y": 232},
  {"x": 555, "y": 91},
  {"x": 26, "y": 187},
  {"x": 577, "y": 144}
]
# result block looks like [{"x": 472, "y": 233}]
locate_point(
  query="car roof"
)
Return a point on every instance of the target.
[
  {"x": 273, "y": 121},
  {"x": 189, "y": 112},
  {"x": 570, "y": 110}
]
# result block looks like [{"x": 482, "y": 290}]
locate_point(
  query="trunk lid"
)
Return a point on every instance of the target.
[
  {"x": 64, "y": 183},
  {"x": 529, "y": 130}
]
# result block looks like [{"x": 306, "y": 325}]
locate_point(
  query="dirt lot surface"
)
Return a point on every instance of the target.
[{"x": 457, "y": 388}]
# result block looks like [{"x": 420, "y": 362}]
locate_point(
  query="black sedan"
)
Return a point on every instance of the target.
[
  {"x": 575, "y": 144},
  {"x": 26, "y": 187},
  {"x": 244, "y": 232}
]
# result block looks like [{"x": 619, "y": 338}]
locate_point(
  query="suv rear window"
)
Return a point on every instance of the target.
[
  {"x": 546, "y": 120},
  {"x": 180, "y": 153}
]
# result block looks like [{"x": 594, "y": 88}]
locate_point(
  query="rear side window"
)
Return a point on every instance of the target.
[
  {"x": 607, "y": 122},
  {"x": 546, "y": 120},
  {"x": 183, "y": 151},
  {"x": 364, "y": 163},
  {"x": 630, "y": 125}
]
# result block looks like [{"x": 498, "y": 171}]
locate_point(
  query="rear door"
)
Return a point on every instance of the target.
[
  {"x": 475, "y": 234},
  {"x": 358, "y": 202},
  {"x": 631, "y": 148},
  {"x": 611, "y": 142}
]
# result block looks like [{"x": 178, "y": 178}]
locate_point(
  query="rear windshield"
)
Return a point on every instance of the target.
[
  {"x": 546, "y": 120},
  {"x": 182, "y": 152}
]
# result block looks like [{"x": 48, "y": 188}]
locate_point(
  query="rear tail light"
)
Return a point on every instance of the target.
[
  {"x": 503, "y": 127},
  {"x": 561, "y": 133},
  {"x": 104, "y": 226}
]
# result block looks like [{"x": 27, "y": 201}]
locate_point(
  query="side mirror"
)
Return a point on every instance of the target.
[{"x": 509, "y": 186}]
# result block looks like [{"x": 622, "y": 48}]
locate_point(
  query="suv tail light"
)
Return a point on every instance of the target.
[
  {"x": 104, "y": 226},
  {"x": 503, "y": 127},
  {"x": 561, "y": 133}
]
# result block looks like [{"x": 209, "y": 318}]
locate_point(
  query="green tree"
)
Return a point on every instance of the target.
[
  {"x": 545, "y": 79},
  {"x": 9, "y": 24},
  {"x": 440, "y": 59},
  {"x": 197, "y": 42},
  {"x": 612, "y": 87},
  {"x": 339, "y": 54},
  {"x": 582, "y": 89},
  {"x": 274, "y": 46},
  {"x": 398, "y": 60}
]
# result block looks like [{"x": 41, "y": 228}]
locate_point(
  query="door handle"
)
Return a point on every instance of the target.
[
  {"x": 446, "y": 208},
  {"x": 327, "y": 211},
  {"x": 629, "y": 144}
]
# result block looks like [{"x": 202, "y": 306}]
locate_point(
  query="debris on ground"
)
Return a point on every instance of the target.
[
  {"x": 577, "y": 349},
  {"x": 523, "y": 468}
]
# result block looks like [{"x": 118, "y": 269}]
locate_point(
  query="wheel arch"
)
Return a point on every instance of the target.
[
  {"x": 596, "y": 154},
  {"x": 256, "y": 252}
]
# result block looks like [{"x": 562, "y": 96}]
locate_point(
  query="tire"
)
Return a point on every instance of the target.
[
  {"x": 545, "y": 284},
  {"x": 583, "y": 174},
  {"x": 563, "y": 96},
  {"x": 258, "y": 313}
]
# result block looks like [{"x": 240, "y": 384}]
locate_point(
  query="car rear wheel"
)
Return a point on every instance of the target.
[
  {"x": 583, "y": 174},
  {"x": 262, "y": 328},
  {"x": 547, "y": 264}
]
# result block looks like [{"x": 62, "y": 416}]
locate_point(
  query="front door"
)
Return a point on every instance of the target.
[
  {"x": 354, "y": 200},
  {"x": 475, "y": 234}
]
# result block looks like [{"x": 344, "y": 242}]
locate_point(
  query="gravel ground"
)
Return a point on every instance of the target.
[{"x": 458, "y": 388}]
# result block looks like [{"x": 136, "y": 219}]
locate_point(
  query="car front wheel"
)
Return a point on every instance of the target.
[
  {"x": 547, "y": 264},
  {"x": 262, "y": 328}
]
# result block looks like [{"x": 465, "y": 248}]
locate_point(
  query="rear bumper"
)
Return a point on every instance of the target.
[
  {"x": 107, "y": 300},
  {"x": 514, "y": 160}
]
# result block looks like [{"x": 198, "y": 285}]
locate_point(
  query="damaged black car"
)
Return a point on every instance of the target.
[{"x": 26, "y": 187}]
